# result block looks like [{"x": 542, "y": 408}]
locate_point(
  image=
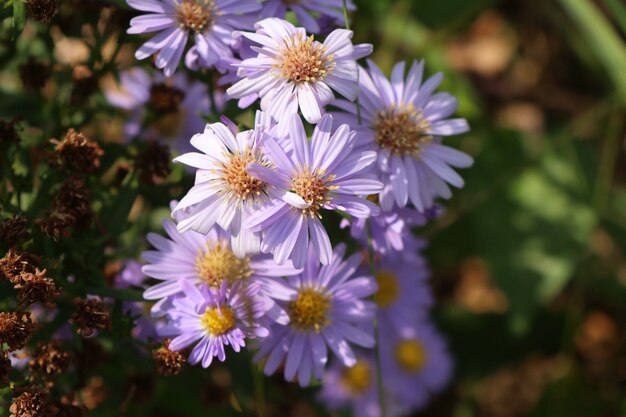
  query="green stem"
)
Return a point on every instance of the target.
[{"x": 379, "y": 375}]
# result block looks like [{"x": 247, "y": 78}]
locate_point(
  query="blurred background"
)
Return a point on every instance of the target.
[{"x": 528, "y": 261}]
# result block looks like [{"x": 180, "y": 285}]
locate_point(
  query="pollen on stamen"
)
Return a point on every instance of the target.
[
  {"x": 410, "y": 355},
  {"x": 303, "y": 60},
  {"x": 218, "y": 263},
  {"x": 403, "y": 130},
  {"x": 236, "y": 176},
  {"x": 313, "y": 188},
  {"x": 196, "y": 15},
  {"x": 310, "y": 311},
  {"x": 218, "y": 321}
]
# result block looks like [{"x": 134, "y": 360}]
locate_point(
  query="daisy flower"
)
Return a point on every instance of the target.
[
  {"x": 327, "y": 308},
  {"x": 210, "y": 318},
  {"x": 308, "y": 11},
  {"x": 224, "y": 192},
  {"x": 203, "y": 259},
  {"x": 209, "y": 22},
  {"x": 404, "y": 119},
  {"x": 323, "y": 173},
  {"x": 416, "y": 363},
  {"x": 177, "y": 104},
  {"x": 292, "y": 70}
]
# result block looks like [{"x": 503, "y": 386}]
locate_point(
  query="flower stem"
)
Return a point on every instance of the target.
[{"x": 379, "y": 376}]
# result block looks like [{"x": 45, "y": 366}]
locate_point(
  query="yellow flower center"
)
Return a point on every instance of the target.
[
  {"x": 309, "y": 311},
  {"x": 357, "y": 379},
  {"x": 302, "y": 60},
  {"x": 402, "y": 130},
  {"x": 195, "y": 15},
  {"x": 218, "y": 263},
  {"x": 410, "y": 355},
  {"x": 218, "y": 321},
  {"x": 388, "y": 289},
  {"x": 313, "y": 188},
  {"x": 237, "y": 178}
]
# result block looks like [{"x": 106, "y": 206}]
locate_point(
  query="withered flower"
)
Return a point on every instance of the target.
[
  {"x": 169, "y": 362},
  {"x": 16, "y": 328},
  {"x": 153, "y": 163},
  {"x": 76, "y": 153},
  {"x": 36, "y": 287},
  {"x": 56, "y": 224},
  {"x": 14, "y": 263},
  {"x": 89, "y": 316},
  {"x": 49, "y": 360},
  {"x": 165, "y": 99},
  {"x": 31, "y": 402},
  {"x": 13, "y": 230},
  {"x": 42, "y": 10}
]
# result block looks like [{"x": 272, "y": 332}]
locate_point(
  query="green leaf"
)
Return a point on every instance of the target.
[{"x": 19, "y": 17}]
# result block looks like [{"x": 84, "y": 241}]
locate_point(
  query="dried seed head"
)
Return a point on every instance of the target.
[
  {"x": 31, "y": 402},
  {"x": 90, "y": 316},
  {"x": 165, "y": 99},
  {"x": 5, "y": 369},
  {"x": 13, "y": 230},
  {"x": 35, "y": 287},
  {"x": 16, "y": 328},
  {"x": 8, "y": 133},
  {"x": 56, "y": 224},
  {"x": 49, "y": 361},
  {"x": 169, "y": 362},
  {"x": 34, "y": 74},
  {"x": 76, "y": 153},
  {"x": 73, "y": 198},
  {"x": 15, "y": 263},
  {"x": 42, "y": 10},
  {"x": 153, "y": 163}
]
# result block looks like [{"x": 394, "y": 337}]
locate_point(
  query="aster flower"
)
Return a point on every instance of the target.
[
  {"x": 210, "y": 22},
  {"x": 323, "y": 173},
  {"x": 327, "y": 308},
  {"x": 210, "y": 318},
  {"x": 404, "y": 120},
  {"x": 389, "y": 229},
  {"x": 294, "y": 71},
  {"x": 203, "y": 259},
  {"x": 307, "y": 11},
  {"x": 416, "y": 363},
  {"x": 178, "y": 104},
  {"x": 224, "y": 193}
]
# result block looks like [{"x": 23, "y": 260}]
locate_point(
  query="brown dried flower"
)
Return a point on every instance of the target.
[
  {"x": 42, "y": 10},
  {"x": 34, "y": 74},
  {"x": 31, "y": 402},
  {"x": 56, "y": 224},
  {"x": 165, "y": 99},
  {"x": 35, "y": 287},
  {"x": 76, "y": 153},
  {"x": 73, "y": 198},
  {"x": 15, "y": 263},
  {"x": 13, "y": 230},
  {"x": 49, "y": 360},
  {"x": 16, "y": 328},
  {"x": 89, "y": 316},
  {"x": 169, "y": 362},
  {"x": 153, "y": 163}
]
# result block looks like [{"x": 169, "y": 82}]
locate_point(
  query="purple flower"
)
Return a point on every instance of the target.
[
  {"x": 294, "y": 71},
  {"x": 404, "y": 120},
  {"x": 211, "y": 318},
  {"x": 327, "y": 308},
  {"x": 389, "y": 229},
  {"x": 323, "y": 173},
  {"x": 303, "y": 9},
  {"x": 224, "y": 192},
  {"x": 177, "y": 103},
  {"x": 210, "y": 22},
  {"x": 416, "y": 363},
  {"x": 203, "y": 259}
]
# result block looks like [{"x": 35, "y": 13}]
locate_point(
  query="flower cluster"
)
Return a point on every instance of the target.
[{"x": 252, "y": 253}]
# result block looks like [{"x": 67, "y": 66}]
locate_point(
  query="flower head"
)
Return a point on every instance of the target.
[
  {"x": 404, "y": 119},
  {"x": 323, "y": 173},
  {"x": 293, "y": 70},
  {"x": 306, "y": 10},
  {"x": 225, "y": 193},
  {"x": 209, "y": 22},
  {"x": 326, "y": 307},
  {"x": 211, "y": 318}
]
